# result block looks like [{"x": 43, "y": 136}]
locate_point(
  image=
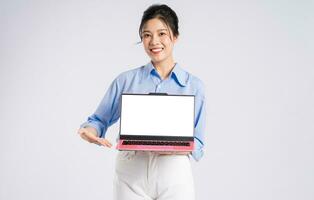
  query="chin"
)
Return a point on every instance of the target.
[{"x": 157, "y": 60}]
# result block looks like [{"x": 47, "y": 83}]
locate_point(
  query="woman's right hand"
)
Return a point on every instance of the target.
[{"x": 90, "y": 134}]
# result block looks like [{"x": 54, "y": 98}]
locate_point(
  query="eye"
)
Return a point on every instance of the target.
[
  {"x": 146, "y": 35},
  {"x": 162, "y": 33}
]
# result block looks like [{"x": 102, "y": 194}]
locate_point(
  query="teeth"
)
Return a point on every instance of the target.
[{"x": 156, "y": 50}]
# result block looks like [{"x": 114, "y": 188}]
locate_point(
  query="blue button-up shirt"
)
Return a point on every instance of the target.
[{"x": 144, "y": 80}]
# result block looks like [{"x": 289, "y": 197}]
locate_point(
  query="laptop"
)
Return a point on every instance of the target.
[{"x": 156, "y": 122}]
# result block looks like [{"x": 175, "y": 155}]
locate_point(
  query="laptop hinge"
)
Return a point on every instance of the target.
[{"x": 157, "y": 93}]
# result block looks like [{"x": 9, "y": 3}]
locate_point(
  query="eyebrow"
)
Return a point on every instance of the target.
[{"x": 157, "y": 30}]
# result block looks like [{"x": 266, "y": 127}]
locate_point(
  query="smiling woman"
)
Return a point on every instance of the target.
[
  {"x": 159, "y": 32},
  {"x": 151, "y": 174},
  {"x": 158, "y": 43}
]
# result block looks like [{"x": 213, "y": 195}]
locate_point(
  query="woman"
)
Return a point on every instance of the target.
[{"x": 141, "y": 174}]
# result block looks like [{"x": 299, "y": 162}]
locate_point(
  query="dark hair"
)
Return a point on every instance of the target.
[{"x": 164, "y": 13}]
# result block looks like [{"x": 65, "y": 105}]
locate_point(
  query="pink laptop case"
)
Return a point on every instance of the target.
[{"x": 121, "y": 146}]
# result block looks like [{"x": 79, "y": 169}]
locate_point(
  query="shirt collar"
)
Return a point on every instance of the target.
[{"x": 180, "y": 76}]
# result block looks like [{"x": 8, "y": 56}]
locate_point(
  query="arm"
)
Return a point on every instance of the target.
[
  {"x": 199, "y": 129},
  {"x": 106, "y": 114}
]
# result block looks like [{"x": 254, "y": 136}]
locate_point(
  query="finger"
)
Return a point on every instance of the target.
[
  {"x": 95, "y": 142},
  {"x": 108, "y": 143},
  {"x": 182, "y": 153},
  {"x": 173, "y": 152},
  {"x": 104, "y": 142},
  {"x": 165, "y": 152}
]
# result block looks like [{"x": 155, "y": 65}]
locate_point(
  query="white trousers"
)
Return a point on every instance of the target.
[{"x": 149, "y": 176}]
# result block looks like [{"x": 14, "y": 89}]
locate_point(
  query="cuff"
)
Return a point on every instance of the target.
[
  {"x": 198, "y": 151},
  {"x": 87, "y": 124}
]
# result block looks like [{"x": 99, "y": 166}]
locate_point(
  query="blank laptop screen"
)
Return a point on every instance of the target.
[{"x": 157, "y": 115}]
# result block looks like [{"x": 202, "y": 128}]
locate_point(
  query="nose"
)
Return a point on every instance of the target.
[{"x": 154, "y": 40}]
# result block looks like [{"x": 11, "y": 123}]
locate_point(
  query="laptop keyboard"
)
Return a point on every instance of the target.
[{"x": 160, "y": 143}]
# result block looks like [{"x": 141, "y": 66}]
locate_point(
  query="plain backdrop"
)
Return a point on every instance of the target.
[{"x": 57, "y": 59}]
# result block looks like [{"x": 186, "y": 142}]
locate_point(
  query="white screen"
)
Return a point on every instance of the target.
[{"x": 157, "y": 115}]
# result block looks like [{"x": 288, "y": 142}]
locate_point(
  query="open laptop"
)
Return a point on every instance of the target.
[{"x": 156, "y": 122}]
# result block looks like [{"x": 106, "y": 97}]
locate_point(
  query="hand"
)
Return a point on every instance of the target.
[
  {"x": 173, "y": 152},
  {"x": 90, "y": 134}
]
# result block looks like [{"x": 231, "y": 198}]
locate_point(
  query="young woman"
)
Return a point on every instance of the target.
[{"x": 142, "y": 174}]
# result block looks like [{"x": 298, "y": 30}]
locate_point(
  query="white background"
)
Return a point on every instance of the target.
[{"x": 57, "y": 59}]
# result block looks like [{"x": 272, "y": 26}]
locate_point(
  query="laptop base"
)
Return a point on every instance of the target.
[{"x": 121, "y": 146}]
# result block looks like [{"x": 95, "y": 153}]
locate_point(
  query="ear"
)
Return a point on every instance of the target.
[{"x": 175, "y": 39}]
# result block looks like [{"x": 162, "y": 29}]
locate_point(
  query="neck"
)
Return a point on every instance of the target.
[{"x": 164, "y": 68}]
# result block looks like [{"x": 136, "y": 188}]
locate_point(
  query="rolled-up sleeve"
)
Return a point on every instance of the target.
[
  {"x": 199, "y": 129},
  {"x": 107, "y": 112}
]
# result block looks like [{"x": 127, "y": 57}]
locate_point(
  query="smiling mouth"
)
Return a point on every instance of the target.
[{"x": 156, "y": 50}]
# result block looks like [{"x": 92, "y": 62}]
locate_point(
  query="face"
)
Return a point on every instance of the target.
[{"x": 158, "y": 40}]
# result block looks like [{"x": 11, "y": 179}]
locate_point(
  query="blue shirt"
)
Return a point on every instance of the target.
[{"x": 144, "y": 80}]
